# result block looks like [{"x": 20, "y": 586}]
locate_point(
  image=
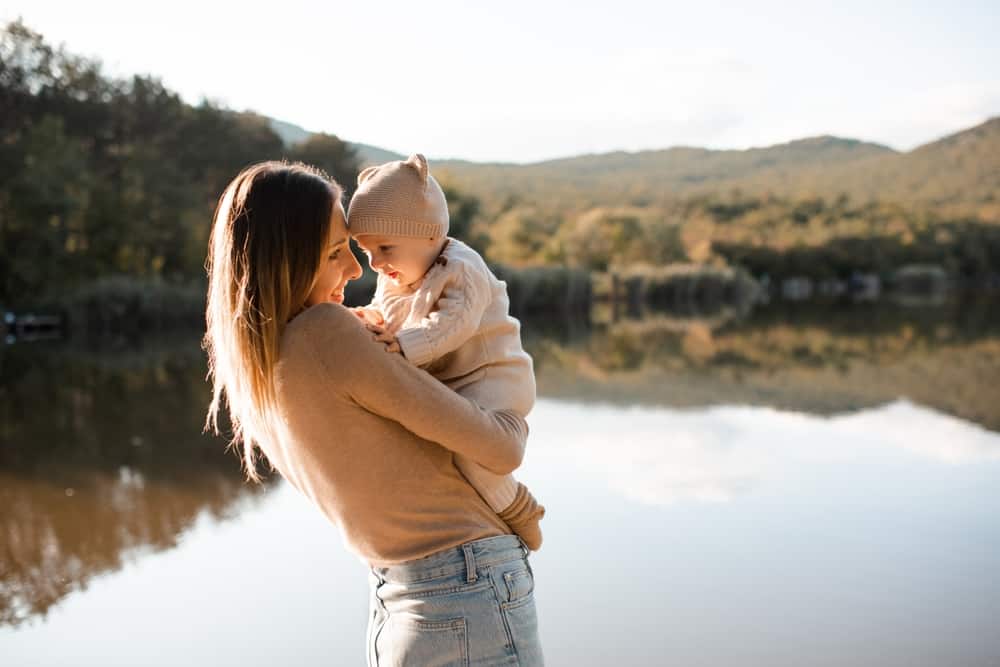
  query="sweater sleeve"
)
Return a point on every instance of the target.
[
  {"x": 460, "y": 309},
  {"x": 389, "y": 386}
]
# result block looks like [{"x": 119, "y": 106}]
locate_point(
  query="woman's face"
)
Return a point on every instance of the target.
[{"x": 338, "y": 266}]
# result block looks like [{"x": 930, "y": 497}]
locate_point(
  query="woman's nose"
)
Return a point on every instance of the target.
[{"x": 355, "y": 270}]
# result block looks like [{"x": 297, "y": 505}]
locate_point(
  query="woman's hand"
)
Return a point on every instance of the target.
[
  {"x": 369, "y": 316},
  {"x": 386, "y": 338}
]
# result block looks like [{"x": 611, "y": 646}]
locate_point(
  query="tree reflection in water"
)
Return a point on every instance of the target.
[
  {"x": 101, "y": 455},
  {"x": 818, "y": 360},
  {"x": 101, "y": 458}
]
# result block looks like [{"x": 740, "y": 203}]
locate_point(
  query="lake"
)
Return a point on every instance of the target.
[{"x": 798, "y": 485}]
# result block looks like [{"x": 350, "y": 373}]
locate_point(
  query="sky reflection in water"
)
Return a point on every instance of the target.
[{"x": 721, "y": 536}]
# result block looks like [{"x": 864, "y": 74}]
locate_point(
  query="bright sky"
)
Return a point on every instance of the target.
[{"x": 530, "y": 80}]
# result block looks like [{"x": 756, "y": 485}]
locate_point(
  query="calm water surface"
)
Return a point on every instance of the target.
[{"x": 785, "y": 490}]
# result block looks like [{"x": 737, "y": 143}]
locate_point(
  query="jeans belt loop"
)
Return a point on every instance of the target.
[{"x": 470, "y": 563}]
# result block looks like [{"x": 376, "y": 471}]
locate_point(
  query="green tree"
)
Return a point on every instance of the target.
[
  {"x": 102, "y": 176},
  {"x": 463, "y": 219},
  {"x": 601, "y": 237},
  {"x": 521, "y": 236},
  {"x": 337, "y": 158}
]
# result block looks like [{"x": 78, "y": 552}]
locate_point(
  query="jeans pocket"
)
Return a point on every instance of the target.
[
  {"x": 408, "y": 642},
  {"x": 520, "y": 584}
]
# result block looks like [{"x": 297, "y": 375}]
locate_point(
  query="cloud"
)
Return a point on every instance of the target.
[{"x": 665, "y": 456}]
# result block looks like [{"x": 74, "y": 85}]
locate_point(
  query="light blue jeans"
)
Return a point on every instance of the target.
[{"x": 470, "y": 605}]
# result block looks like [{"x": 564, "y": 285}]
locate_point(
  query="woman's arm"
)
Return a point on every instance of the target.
[{"x": 390, "y": 386}]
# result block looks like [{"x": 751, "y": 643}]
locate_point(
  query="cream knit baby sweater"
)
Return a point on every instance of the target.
[
  {"x": 371, "y": 440},
  {"x": 455, "y": 324}
]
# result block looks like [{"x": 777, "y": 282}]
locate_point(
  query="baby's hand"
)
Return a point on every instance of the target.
[
  {"x": 369, "y": 316},
  {"x": 386, "y": 338}
]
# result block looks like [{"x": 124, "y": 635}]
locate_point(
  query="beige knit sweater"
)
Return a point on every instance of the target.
[
  {"x": 455, "y": 323},
  {"x": 370, "y": 439}
]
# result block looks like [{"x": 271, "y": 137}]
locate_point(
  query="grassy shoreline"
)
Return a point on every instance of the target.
[{"x": 121, "y": 305}]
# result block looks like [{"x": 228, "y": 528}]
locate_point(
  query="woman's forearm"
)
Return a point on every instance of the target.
[{"x": 388, "y": 385}]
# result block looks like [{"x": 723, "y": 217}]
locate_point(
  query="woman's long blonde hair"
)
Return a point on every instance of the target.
[{"x": 268, "y": 237}]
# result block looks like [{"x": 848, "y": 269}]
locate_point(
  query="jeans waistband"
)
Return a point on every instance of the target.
[{"x": 465, "y": 558}]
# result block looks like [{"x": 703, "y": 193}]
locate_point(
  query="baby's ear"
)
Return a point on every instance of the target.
[
  {"x": 366, "y": 173},
  {"x": 419, "y": 162}
]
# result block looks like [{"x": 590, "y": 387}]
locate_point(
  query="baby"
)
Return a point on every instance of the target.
[{"x": 439, "y": 305}]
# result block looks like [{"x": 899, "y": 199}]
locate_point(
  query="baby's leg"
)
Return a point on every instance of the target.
[
  {"x": 498, "y": 491},
  {"x": 510, "y": 499}
]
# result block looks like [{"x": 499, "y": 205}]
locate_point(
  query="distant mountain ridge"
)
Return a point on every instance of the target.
[
  {"x": 963, "y": 167},
  {"x": 292, "y": 134},
  {"x": 803, "y": 148},
  {"x": 690, "y": 164}
]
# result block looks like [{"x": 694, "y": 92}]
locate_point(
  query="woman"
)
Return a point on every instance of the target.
[{"x": 367, "y": 437}]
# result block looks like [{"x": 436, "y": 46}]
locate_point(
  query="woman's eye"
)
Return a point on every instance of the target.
[{"x": 335, "y": 254}]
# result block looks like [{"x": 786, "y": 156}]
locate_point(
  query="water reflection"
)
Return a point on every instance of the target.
[
  {"x": 658, "y": 456},
  {"x": 100, "y": 459},
  {"x": 805, "y": 359},
  {"x": 56, "y": 538}
]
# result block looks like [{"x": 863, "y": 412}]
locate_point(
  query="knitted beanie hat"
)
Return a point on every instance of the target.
[{"x": 399, "y": 198}]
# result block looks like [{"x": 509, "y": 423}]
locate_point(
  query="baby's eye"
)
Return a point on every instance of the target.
[{"x": 385, "y": 248}]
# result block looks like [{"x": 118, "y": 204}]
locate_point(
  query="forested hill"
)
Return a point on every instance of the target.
[
  {"x": 682, "y": 170},
  {"x": 959, "y": 174},
  {"x": 818, "y": 207},
  {"x": 116, "y": 177},
  {"x": 961, "y": 169}
]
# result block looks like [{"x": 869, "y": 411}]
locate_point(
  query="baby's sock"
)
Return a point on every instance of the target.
[{"x": 523, "y": 516}]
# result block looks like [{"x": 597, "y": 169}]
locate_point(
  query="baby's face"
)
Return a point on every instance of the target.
[{"x": 402, "y": 259}]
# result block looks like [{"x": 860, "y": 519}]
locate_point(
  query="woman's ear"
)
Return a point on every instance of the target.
[{"x": 419, "y": 162}]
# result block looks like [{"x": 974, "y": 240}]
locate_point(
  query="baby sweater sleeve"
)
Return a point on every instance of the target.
[
  {"x": 460, "y": 308},
  {"x": 388, "y": 385}
]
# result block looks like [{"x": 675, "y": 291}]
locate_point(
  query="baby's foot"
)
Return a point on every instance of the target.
[{"x": 523, "y": 516}]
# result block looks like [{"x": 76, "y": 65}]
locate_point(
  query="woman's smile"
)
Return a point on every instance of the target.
[{"x": 337, "y": 265}]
